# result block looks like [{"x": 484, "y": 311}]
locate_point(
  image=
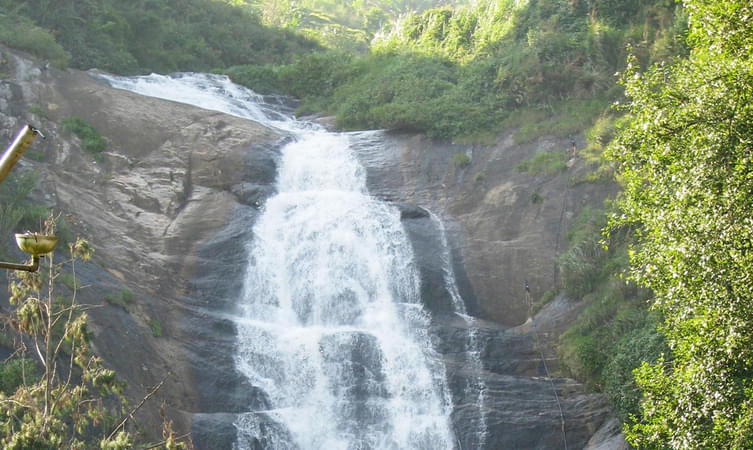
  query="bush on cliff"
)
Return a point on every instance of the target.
[
  {"x": 91, "y": 140},
  {"x": 461, "y": 72},
  {"x": 615, "y": 333}
]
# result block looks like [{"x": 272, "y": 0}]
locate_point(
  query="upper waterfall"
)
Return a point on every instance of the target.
[{"x": 213, "y": 92}]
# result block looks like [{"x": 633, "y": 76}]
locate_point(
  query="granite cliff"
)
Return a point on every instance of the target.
[{"x": 170, "y": 206}]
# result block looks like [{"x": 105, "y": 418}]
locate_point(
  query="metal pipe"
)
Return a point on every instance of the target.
[
  {"x": 33, "y": 267},
  {"x": 16, "y": 149},
  {"x": 9, "y": 159}
]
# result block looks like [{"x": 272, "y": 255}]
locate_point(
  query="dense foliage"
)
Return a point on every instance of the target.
[
  {"x": 448, "y": 71},
  {"x": 21, "y": 33},
  {"x": 340, "y": 24},
  {"x": 615, "y": 333},
  {"x": 461, "y": 72},
  {"x": 148, "y": 35},
  {"x": 686, "y": 158}
]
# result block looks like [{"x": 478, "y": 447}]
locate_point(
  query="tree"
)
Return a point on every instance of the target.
[
  {"x": 685, "y": 155},
  {"x": 58, "y": 409},
  {"x": 64, "y": 396}
]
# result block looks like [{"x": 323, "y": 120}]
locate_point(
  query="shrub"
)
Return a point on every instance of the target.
[
  {"x": 121, "y": 299},
  {"x": 38, "y": 111},
  {"x": 16, "y": 211},
  {"x": 461, "y": 160},
  {"x": 261, "y": 79},
  {"x": 91, "y": 140},
  {"x": 547, "y": 163},
  {"x": 642, "y": 344},
  {"x": 156, "y": 327},
  {"x": 14, "y": 371}
]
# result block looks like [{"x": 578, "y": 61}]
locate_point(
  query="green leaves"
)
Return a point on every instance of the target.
[
  {"x": 63, "y": 406},
  {"x": 146, "y": 35},
  {"x": 685, "y": 158}
]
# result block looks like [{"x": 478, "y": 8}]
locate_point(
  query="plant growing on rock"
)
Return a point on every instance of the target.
[
  {"x": 461, "y": 160},
  {"x": 91, "y": 140}
]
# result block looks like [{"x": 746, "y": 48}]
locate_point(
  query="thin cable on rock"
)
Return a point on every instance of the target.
[{"x": 546, "y": 367}]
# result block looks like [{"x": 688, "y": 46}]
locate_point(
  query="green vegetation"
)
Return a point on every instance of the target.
[
  {"x": 53, "y": 410},
  {"x": 451, "y": 72},
  {"x": 146, "y": 35},
  {"x": 60, "y": 395},
  {"x": 91, "y": 140},
  {"x": 16, "y": 372},
  {"x": 156, "y": 327},
  {"x": 122, "y": 299},
  {"x": 684, "y": 155},
  {"x": 21, "y": 33},
  {"x": 17, "y": 213},
  {"x": 561, "y": 118},
  {"x": 38, "y": 111},
  {"x": 616, "y": 332},
  {"x": 459, "y": 73},
  {"x": 461, "y": 160},
  {"x": 337, "y": 23},
  {"x": 547, "y": 163},
  {"x": 597, "y": 137}
]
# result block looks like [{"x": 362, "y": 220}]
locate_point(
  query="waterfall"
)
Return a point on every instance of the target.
[
  {"x": 332, "y": 329},
  {"x": 330, "y": 324},
  {"x": 473, "y": 347}
]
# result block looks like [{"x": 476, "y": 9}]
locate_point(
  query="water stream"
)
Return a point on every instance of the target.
[
  {"x": 473, "y": 346},
  {"x": 330, "y": 324}
]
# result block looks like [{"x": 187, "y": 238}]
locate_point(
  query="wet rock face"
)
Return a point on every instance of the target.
[
  {"x": 505, "y": 226},
  {"x": 499, "y": 376},
  {"x": 499, "y": 239},
  {"x": 519, "y": 406},
  {"x": 167, "y": 210}
]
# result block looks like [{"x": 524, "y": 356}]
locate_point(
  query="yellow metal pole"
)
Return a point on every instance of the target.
[
  {"x": 9, "y": 159},
  {"x": 16, "y": 149}
]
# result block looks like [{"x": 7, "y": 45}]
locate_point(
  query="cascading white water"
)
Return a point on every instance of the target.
[
  {"x": 473, "y": 347},
  {"x": 330, "y": 326},
  {"x": 334, "y": 332},
  {"x": 215, "y": 92}
]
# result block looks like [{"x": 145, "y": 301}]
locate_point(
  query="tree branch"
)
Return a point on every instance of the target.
[{"x": 141, "y": 403}]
